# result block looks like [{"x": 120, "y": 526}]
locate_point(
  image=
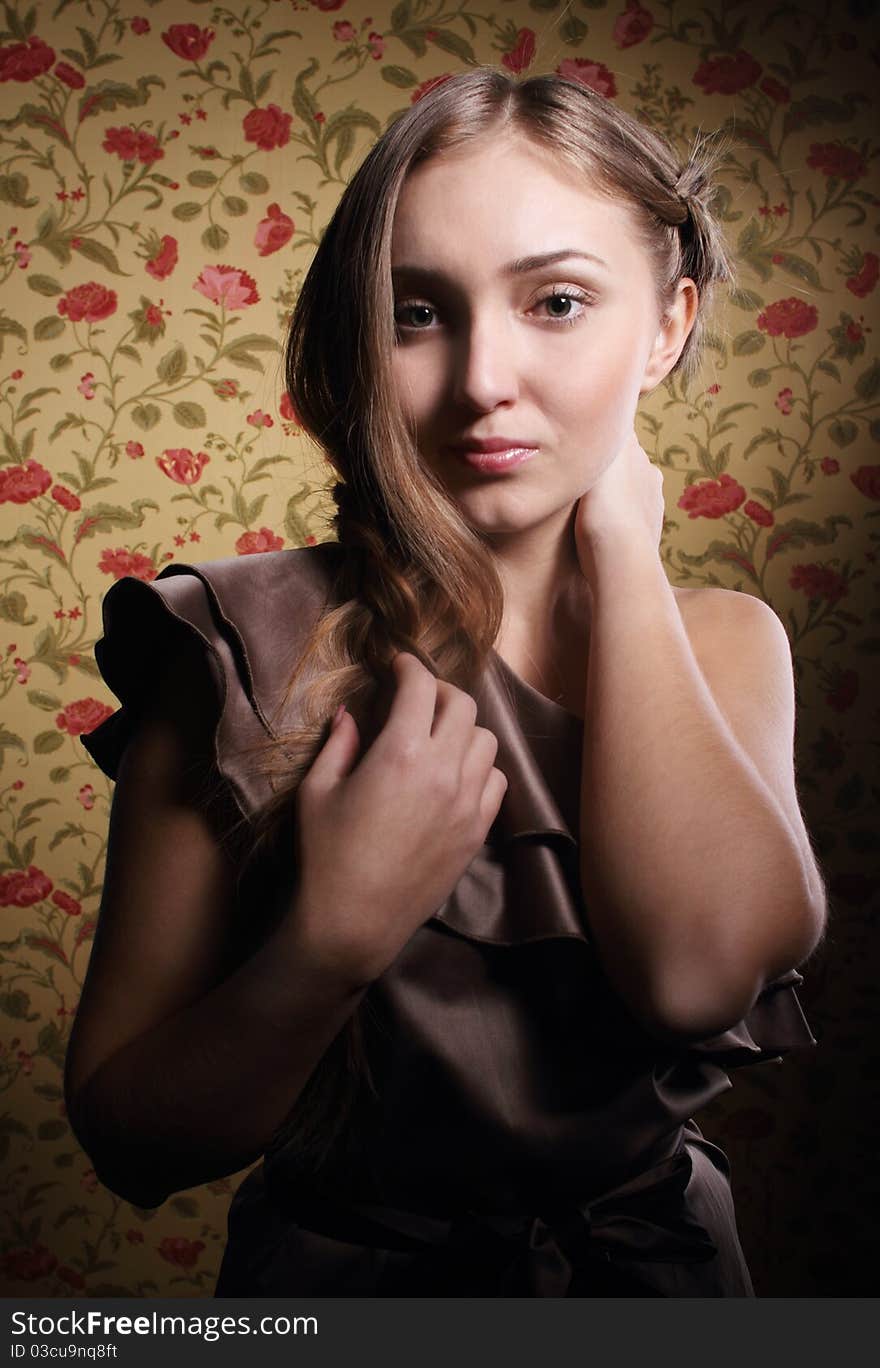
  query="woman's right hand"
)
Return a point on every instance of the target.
[{"x": 381, "y": 846}]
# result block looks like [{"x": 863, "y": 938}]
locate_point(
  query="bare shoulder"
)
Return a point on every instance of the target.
[{"x": 723, "y": 621}]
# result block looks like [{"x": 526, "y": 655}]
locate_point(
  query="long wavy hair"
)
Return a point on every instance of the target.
[{"x": 414, "y": 575}]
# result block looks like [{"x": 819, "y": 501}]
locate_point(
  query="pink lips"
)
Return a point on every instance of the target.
[{"x": 493, "y": 454}]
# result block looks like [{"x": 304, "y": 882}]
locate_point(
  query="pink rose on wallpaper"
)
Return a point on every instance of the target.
[
  {"x": 343, "y": 31},
  {"x": 633, "y": 26},
  {"x": 90, "y": 302},
  {"x": 70, "y": 76},
  {"x": 712, "y": 498},
  {"x": 123, "y": 562},
  {"x": 776, "y": 90},
  {"x": 163, "y": 259},
  {"x": 227, "y": 285},
  {"x": 328, "y": 5},
  {"x": 27, "y": 1265},
  {"x": 377, "y": 45},
  {"x": 83, "y": 716},
  {"x": 132, "y": 145},
  {"x": 268, "y": 128},
  {"x": 834, "y": 159},
  {"x": 23, "y": 888},
  {"x": 25, "y": 61},
  {"x": 274, "y": 231},
  {"x": 188, "y": 41},
  {"x": 818, "y": 581},
  {"x": 867, "y": 481},
  {"x": 593, "y": 74},
  {"x": 66, "y": 903},
  {"x": 179, "y": 464},
  {"x": 727, "y": 75},
  {"x": 176, "y": 1249},
  {"x": 432, "y": 81},
  {"x": 863, "y": 282},
  {"x": 758, "y": 513},
  {"x": 286, "y": 409},
  {"x": 252, "y": 543},
  {"x": 789, "y": 318},
  {"x": 522, "y": 53},
  {"x": 140, "y": 25},
  {"x": 66, "y": 498},
  {"x": 844, "y": 691},
  {"x": 19, "y": 484}
]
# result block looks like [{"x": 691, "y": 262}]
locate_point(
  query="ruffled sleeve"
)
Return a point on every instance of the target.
[
  {"x": 773, "y": 1028},
  {"x": 147, "y": 625}
]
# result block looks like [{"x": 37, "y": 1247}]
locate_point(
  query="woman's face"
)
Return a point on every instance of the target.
[{"x": 484, "y": 351}]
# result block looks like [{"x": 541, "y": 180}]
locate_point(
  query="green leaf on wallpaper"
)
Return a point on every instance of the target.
[
  {"x": 798, "y": 267},
  {"x": 414, "y": 39},
  {"x": 253, "y": 342},
  {"x": 215, "y": 238},
  {"x": 10, "y": 326},
  {"x": 186, "y": 211},
  {"x": 40, "y": 699},
  {"x": 242, "y": 358},
  {"x": 234, "y": 205},
  {"x": 868, "y": 384},
  {"x": 758, "y": 378},
  {"x": 747, "y": 300},
  {"x": 44, "y": 285},
  {"x": 448, "y": 41},
  {"x": 189, "y": 414},
  {"x": 60, "y": 361},
  {"x": 817, "y": 109},
  {"x": 105, "y": 96},
  {"x": 202, "y": 179},
  {"x": 172, "y": 366},
  {"x": 16, "y": 1004},
  {"x": 725, "y": 553},
  {"x": 246, "y": 85},
  {"x": 45, "y": 329},
  {"x": 13, "y": 608},
  {"x": 399, "y": 76},
  {"x": 254, "y": 183},
  {"x": 572, "y": 30},
  {"x": 146, "y": 416},
  {"x": 9, "y": 741},
  {"x": 829, "y": 368},
  {"x": 36, "y": 540},
  {"x": 100, "y": 255},
  {"x": 749, "y": 342},
  {"x": 47, "y": 741},
  {"x": 799, "y": 533},
  {"x": 842, "y": 432},
  {"x": 14, "y": 190},
  {"x": 52, "y": 1129},
  {"x": 401, "y": 15},
  {"x": 105, "y": 517},
  {"x": 59, "y": 774},
  {"x": 185, "y": 1206},
  {"x": 304, "y": 102},
  {"x": 36, "y": 117}
]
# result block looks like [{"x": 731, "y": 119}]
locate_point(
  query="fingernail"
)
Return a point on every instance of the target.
[{"x": 337, "y": 717}]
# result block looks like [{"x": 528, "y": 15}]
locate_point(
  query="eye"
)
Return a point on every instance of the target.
[
  {"x": 413, "y": 307},
  {"x": 568, "y": 296}
]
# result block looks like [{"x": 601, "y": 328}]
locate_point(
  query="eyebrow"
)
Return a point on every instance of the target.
[{"x": 521, "y": 266}]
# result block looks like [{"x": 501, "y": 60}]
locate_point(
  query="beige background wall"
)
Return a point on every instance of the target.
[{"x": 164, "y": 173}]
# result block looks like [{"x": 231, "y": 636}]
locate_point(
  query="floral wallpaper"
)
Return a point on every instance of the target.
[{"x": 165, "y": 174}]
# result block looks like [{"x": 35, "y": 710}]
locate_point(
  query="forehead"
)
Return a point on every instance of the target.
[{"x": 506, "y": 196}]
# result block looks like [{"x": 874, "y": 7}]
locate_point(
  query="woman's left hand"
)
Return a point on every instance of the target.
[{"x": 624, "y": 505}]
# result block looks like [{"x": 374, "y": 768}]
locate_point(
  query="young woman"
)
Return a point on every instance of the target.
[{"x": 462, "y": 963}]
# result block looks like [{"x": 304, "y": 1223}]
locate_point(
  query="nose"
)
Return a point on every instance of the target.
[{"x": 485, "y": 364}]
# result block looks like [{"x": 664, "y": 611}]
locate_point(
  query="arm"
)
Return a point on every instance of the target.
[
  {"x": 695, "y": 864},
  {"x": 180, "y": 1066}
]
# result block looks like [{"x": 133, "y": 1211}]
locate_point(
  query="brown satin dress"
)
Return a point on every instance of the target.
[{"x": 526, "y": 1137}]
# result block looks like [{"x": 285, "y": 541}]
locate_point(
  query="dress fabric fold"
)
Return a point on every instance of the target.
[{"x": 525, "y": 1136}]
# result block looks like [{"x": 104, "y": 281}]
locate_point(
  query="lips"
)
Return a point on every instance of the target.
[{"x": 491, "y": 445}]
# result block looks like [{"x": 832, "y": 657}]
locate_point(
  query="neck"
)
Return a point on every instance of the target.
[{"x": 547, "y": 597}]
